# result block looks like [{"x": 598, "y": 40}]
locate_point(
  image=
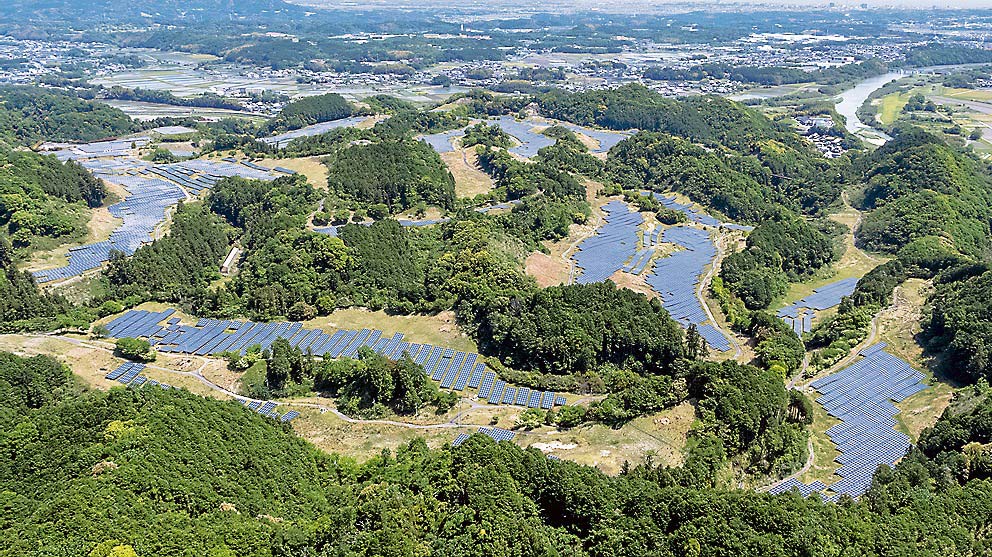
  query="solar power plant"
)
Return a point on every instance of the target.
[
  {"x": 670, "y": 202},
  {"x": 606, "y": 138},
  {"x": 822, "y": 298},
  {"x": 289, "y": 416},
  {"x": 443, "y": 142},
  {"x": 530, "y": 141},
  {"x": 152, "y": 189},
  {"x": 462, "y": 437},
  {"x": 452, "y": 368},
  {"x": 614, "y": 243},
  {"x": 675, "y": 278},
  {"x": 861, "y": 396},
  {"x": 284, "y": 139}
]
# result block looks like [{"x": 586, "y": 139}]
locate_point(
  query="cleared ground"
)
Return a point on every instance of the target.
[
  {"x": 470, "y": 180},
  {"x": 311, "y": 167},
  {"x": 441, "y": 329}
]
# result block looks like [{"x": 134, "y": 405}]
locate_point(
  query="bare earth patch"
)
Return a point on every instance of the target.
[{"x": 547, "y": 270}]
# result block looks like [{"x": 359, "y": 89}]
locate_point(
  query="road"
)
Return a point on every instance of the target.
[{"x": 720, "y": 248}]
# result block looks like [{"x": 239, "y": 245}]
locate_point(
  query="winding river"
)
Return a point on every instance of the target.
[{"x": 851, "y": 100}]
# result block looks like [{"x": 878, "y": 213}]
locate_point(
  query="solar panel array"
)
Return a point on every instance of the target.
[
  {"x": 152, "y": 190},
  {"x": 606, "y": 138},
  {"x": 676, "y": 278},
  {"x": 615, "y": 242},
  {"x": 284, "y": 139},
  {"x": 861, "y": 396},
  {"x": 822, "y": 298},
  {"x": 267, "y": 408},
  {"x": 129, "y": 373},
  {"x": 453, "y": 369},
  {"x": 442, "y": 141},
  {"x": 496, "y": 433}
]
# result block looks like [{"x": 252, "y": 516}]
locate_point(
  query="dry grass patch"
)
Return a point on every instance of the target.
[
  {"x": 311, "y": 167},
  {"x": 362, "y": 440},
  {"x": 661, "y": 436},
  {"x": 441, "y": 329},
  {"x": 548, "y": 270},
  {"x": 470, "y": 180}
]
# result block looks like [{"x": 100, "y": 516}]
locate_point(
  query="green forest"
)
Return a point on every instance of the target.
[
  {"x": 132, "y": 461},
  {"x": 151, "y": 471}
]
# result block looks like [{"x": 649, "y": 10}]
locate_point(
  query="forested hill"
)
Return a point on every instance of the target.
[
  {"x": 30, "y": 115},
  {"x": 158, "y": 472},
  {"x": 704, "y": 119},
  {"x": 919, "y": 186}
]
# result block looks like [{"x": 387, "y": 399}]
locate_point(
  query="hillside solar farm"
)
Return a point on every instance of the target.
[{"x": 304, "y": 278}]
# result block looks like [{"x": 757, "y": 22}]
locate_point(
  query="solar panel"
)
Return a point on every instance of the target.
[{"x": 486, "y": 388}]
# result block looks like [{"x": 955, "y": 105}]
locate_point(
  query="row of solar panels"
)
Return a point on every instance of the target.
[
  {"x": 676, "y": 278},
  {"x": 496, "y": 433},
  {"x": 268, "y": 409},
  {"x": 822, "y": 298},
  {"x": 451, "y": 368},
  {"x": 602, "y": 255},
  {"x": 129, "y": 373},
  {"x": 861, "y": 396}
]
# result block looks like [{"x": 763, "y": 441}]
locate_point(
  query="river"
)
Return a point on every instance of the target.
[{"x": 851, "y": 100}]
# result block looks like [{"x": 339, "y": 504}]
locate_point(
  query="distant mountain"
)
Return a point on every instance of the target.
[{"x": 165, "y": 12}]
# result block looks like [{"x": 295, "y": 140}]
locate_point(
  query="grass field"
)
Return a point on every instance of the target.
[
  {"x": 469, "y": 179},
  {"x": 981, "y": 95},
  {"x": 440, "y": 329},
  {"x": 891, "y": 105},
  {"x": 311, "y": 167},
  {"x": 899, "y": 326},
  {"x": 824, "y": 450},
  {"x": 854, "y": 262}
]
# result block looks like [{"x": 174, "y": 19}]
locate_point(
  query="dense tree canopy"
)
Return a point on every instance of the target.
[
  {"x": 399, "y": 173},
  {"x": 132, "y": 461},
  {"x": 42, "y": 197},
  {"x": 29, "y": 115},
  {"x": 919, "y": 186},
  {"x": 580, "y": 327}
]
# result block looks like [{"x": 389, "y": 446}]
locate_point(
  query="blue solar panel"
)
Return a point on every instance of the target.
[
  {"x": 486, "y": 388},
  {"x": 547, "y": 399},
  {"x": 497, "y": 395},
  {"x": 476, "y": 376}
]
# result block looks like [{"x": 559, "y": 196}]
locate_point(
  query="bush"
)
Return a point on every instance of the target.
[{"x": 135, "y": 349}]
